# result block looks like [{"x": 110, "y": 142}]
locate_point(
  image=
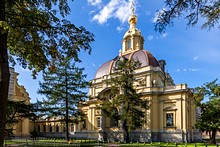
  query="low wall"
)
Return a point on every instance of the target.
[{"x": 140, "y": 136}]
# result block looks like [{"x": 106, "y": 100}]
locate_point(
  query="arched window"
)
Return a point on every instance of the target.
[
  {"x": 129, "y": 43},
  {"x": 72, "y": 128}
]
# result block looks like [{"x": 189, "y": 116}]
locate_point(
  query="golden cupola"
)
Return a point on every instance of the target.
[
  {"x": 132, "y": 48},
  {"x": 132, "y": 40}
]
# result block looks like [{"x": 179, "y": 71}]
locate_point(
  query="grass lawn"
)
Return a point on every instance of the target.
[{"x": 87, "y": 143}]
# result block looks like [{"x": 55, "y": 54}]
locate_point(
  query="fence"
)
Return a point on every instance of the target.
[{"x": 60, "y": 142}]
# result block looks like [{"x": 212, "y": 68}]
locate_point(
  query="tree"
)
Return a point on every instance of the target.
[
  {"x": 126, "y": 105},
  {"x": 36, "y": 112},
  {"x": 34, "y": 32},
  {"x": 16, "y": 111},
  {"x": 62, "y": 86},
  {"x": 209, "y": 119},
  {"x": 193, "y": 10}
]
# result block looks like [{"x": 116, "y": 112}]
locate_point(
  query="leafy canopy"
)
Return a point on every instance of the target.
[
  {"x": 63, "y": 87},
  {"x": 35, "y": 33},
  {"x": 193, "y": 10},
  {"x": 38, "y": 32},
  {"x": 16, "y": 111},
  {"x": 209, "y": 119}
]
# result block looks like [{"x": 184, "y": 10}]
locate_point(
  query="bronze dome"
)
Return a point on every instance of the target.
[{"x": 144, "y": 56}]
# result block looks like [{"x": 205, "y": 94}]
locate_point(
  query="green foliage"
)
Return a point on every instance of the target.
[
  {"x": 62, "y": 85},
  {"x": 125, "y": 104},
  {"x": 193, "y": 10},
  {"x": 4, "y": 27},
  {"x": 16, "y": 111},
  {"x": 36, "y": 111},
  {"x": 38, "y": 32},
  {"x": 35, "y": 33},
  {"x": 209, "y": 119}
]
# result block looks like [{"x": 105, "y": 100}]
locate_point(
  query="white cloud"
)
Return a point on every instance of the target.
[
  {"x": 195, "y": 58},
  {"x": 193, "y": 69},
  {"x": 122, "y": 13},
  {"x": 91, "y": 12},
  {"x": 93, "y": 64},
  {"x": 106, "y": 12},
  {"x": 150, "y": 37},
  {"x": 188, "y": 69},
  {"x": 119, "y": 28},
  {"x": 94, "y": 2},
  {"x": 164, "y": 35},
  {"x": 114, "y": 9},
  {"x": 158, "y": 14}
]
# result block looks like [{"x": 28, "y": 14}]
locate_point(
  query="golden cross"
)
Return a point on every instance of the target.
[{"x": 132, "y": 7}]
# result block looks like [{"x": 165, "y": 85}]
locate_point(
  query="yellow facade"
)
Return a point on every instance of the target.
[
  {"x": 18, "y": 93},
  {"x": 53, "y": 127},
  {"x": 172, "y": 114}
]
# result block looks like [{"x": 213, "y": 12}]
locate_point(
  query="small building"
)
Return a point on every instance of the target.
[
  {"x": 53, "y": 127},
  {"x": 172, "y": 114}
]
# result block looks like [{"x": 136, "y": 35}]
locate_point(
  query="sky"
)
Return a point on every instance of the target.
[{"x": 192, "y": 55}]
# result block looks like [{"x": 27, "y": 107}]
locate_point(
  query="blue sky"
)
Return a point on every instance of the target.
[{"x": 192, "y": 55}]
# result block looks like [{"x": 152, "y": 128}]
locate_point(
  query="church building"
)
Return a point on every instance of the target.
[{"x": 172, "y": 113}]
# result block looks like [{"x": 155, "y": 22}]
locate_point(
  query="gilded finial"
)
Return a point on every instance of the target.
[{"x": 132, "y": 20}]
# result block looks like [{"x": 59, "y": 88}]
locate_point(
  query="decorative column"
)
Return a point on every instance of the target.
[
  {"x": 161, "y": 116},
  {"x": 53, "y": 127},
  {"x": 47, "y": 127},
  {"x": 75, "y": 127},
  {"x": 101, "y": 131}
]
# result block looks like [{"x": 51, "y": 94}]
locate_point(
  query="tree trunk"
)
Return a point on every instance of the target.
[
  {"x": 213, "y": 137},
  {"x": 67, "y": 125},
  {"x": 127, "y": 137},
  {"x": 4, "y": 73},
  {"x": 210, "y": 134},
  {"x": 125, "y": 132},
  {"x": 67, "y": 107},
  {"x": 67, "y": 130}
]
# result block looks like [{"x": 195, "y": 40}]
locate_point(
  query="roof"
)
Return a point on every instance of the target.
[{"x": 144, "y": 56}]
